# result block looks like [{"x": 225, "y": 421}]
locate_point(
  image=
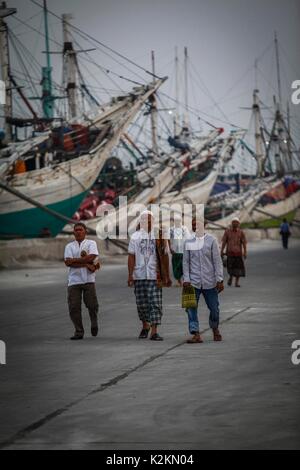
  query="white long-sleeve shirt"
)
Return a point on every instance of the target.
[{"x": 202, "y": 262}]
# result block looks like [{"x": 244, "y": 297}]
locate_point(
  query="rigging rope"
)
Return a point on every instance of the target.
[
  {"x": 208, "y": 92},
  {"x": 90, "y": 60},
  {"x": 99, "y": 42},
  {"x": 196, "y": 112}
]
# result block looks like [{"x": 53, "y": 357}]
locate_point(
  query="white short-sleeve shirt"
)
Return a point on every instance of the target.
[
  {"x": 143, "y": 245},
  {"x": 177, "y": 236},
  {"x": 74, "y": 250}
]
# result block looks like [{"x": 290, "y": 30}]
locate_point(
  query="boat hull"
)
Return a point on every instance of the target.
[
  {"x": 30, "y": 223},
  {"x": 197, "y": 193},
  {"x": 54, "y": 189},
  {"x": 279, "y": 209},
  {"x": 248, "y": 215}
]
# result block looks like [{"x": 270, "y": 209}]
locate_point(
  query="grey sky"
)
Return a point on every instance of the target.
[{"x": 223, "y": 36}]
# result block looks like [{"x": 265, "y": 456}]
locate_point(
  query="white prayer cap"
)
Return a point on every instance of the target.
[
  {"x": 146, "y": 213},
  {"x": 235, "y": 219}
]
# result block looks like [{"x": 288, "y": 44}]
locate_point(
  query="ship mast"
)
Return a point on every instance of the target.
[
  {"x": 176, "y": 119},
  {"x": 70, "y": 67},
  {"x": 259, "y": 145},
  {"x": 280, "y": 134},
  {"x": 275, "y": 140},
  {"x": 153, "y": 110},
  {"x": 186, "y": 95},
  {"x": 5, "y": 67},
  {"x": 47, "y": 96},
  {"x": 278, "y": 70},
  {"x": 289, "y": 137}
]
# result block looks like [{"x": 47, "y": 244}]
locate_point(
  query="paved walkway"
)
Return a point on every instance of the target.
[{"x": 116, "y": 392}]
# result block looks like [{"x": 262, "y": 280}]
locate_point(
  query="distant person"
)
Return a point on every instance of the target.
[
  {"x": 148, "y": 272},
  {"x": 178, "y": 233},
  {"x": 235, "y": 243},
  {"x": 45, "y": 233},
  {"x": 203, "y": 269},
  {"x": 81, "y": 257},
  {"x": 285, "y": 233}
]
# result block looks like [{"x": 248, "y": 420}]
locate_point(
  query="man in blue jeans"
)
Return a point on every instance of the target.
[{"x": 203, "y": 269}]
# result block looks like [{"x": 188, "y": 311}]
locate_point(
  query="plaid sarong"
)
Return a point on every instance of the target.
[{"x": 148, "y": 301}]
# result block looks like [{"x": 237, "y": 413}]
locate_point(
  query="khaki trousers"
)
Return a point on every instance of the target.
[{"x": 75, "y": 295}]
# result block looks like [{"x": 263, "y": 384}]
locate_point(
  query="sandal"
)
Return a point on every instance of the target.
[
  {"x": 156, "y": 337},
  {"x": 195, "y": 339},
  {"x": 217, "y": 335},
  {"x": 144, "y": 334}
]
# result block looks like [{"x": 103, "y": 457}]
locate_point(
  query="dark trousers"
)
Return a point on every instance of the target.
[
  {"x": 75, "y": 294},
  {"x": 285, "y": 240},
  {"x": 177, "y": 259}
]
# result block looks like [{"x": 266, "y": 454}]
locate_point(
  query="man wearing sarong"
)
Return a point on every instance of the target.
[
  {"x": 148, "y": 272},
  {"x": 234, "y": 245},
  {"x": 177, "y": 236}
]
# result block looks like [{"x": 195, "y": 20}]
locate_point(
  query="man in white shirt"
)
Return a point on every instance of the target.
[
  {"x": 81, "y": 257},
  {"x": 148, "y": 271},
  {"x": 203, "y": 269}
]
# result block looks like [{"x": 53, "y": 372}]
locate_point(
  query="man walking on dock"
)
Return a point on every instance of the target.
[
  {"x": 235, "y": 243},
  {"x": 203, "y": 270},
  {"x": 285, "y": 233},
  {"x": 81, "y": 258},
  {"x": 148, "y": 272}
]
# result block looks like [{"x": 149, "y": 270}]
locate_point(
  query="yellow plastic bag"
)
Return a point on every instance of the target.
[{"x": 189, "y": 299}]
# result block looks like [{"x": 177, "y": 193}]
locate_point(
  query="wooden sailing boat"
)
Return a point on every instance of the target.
[
  {"x": 32, "y": 201},
  {"x": 198, "y": 191},
  {"x": 275, "y": 193},
  {"x": 203, "y": 169}
]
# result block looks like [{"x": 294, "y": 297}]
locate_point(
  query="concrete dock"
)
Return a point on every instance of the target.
[{"x": 118, "y": 392}]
